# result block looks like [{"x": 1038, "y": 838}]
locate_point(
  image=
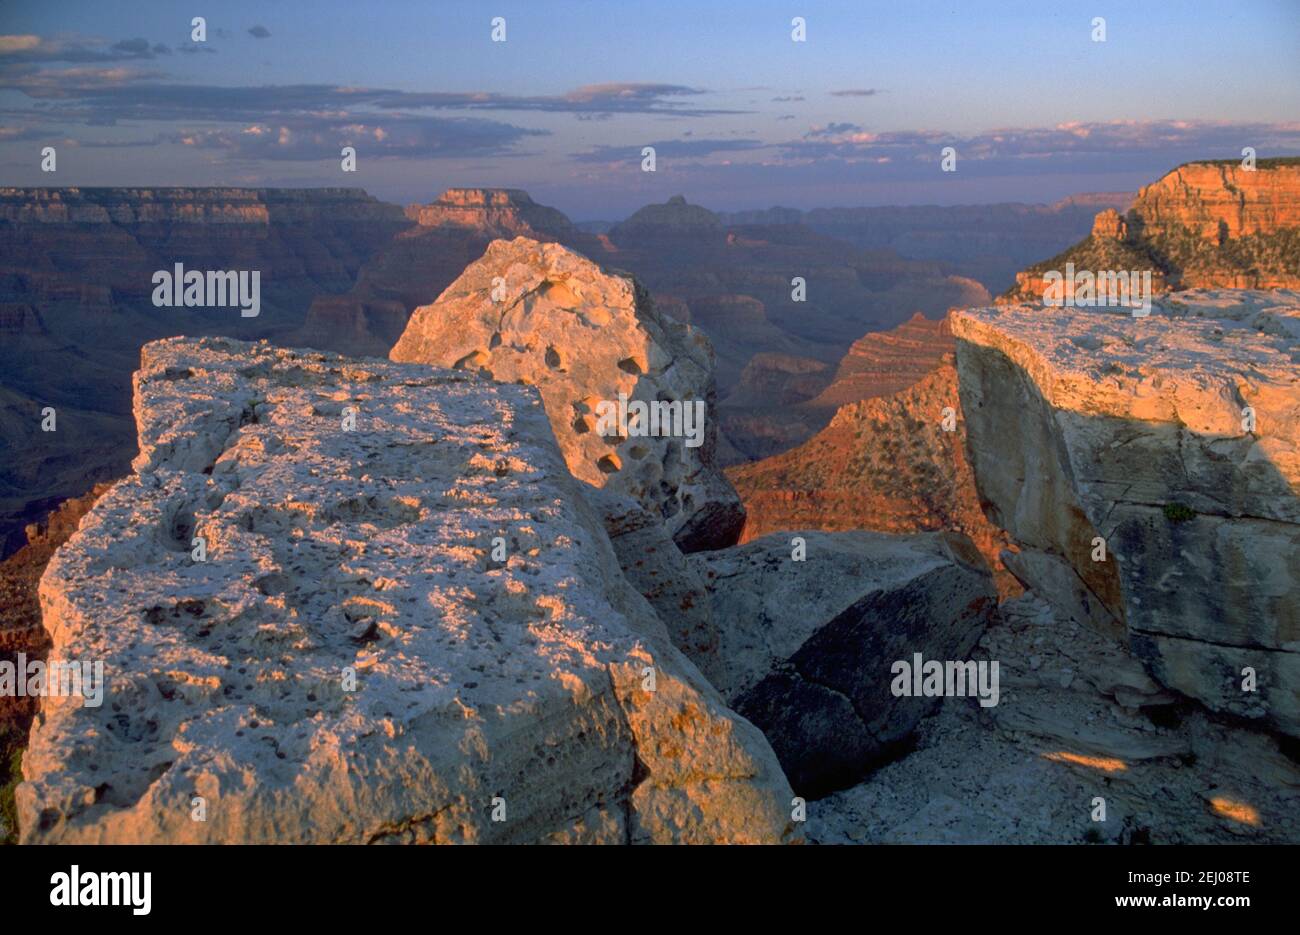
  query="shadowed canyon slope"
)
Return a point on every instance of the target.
[{"x": 76, "y": 280}]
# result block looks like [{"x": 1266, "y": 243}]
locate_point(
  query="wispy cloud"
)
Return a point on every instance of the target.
[
  {"x": 672, "y": 149},
  {"x": 27, "y": 49},
  {"x": 101, "y": 83},
  {"x": 302, "y": 140},
  {"x": 1065, "y": 145}
]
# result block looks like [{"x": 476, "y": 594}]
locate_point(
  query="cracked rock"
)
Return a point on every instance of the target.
[
  {"x": 806, "y": 647},
  {"x": 240, "y": 679},
  {"x": 1184, "y": 462},
  {"x": 543, "y": 315}
]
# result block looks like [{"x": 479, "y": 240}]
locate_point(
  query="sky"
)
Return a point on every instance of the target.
[{"x": 739, "y": 114}]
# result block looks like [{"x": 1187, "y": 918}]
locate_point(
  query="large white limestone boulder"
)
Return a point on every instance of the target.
[
  {"x": 356, "y": 660},
  {"x": 540, "y": 314},
  {"x": 1149, "y": 470}
]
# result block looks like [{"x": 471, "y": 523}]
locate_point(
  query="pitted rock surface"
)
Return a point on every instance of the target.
[
  {"x": 543, "y": 315},
  {"x": 483, "y": 688}
]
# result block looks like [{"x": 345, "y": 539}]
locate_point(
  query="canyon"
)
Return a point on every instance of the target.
[
  {"x": 988, "y": 243},
  {"x": 435, "y": 604},
  {"x": 342, "y": 271}
]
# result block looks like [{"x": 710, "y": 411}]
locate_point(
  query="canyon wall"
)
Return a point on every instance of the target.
[
  {"x": 76, "y": 284},
  {"x": 1202, "y": 225},
  {"x": 1148, "y": 470},
  {"x": 892, "y": 463}
]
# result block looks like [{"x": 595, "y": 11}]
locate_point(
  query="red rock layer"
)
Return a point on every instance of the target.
[
  {"x": 884, "y": 362},
  {"x": 884, "y": 464},
  {"x": 1201, "y": 196}
]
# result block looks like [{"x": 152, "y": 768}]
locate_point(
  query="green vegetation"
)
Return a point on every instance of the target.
[
  {"x": 1272, "y": 162},
  {"x": 1177, "y": 513},
  {"x": 1278, "y": 253},
  {"x": 11, "y": 773},
  {"x": 1182, "y": 257}
]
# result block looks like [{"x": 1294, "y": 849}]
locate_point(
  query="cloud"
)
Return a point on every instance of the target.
[
  {"x": 673, "y": 149},
  {"x": 11, "y": 44},
  {"x": 132, "y": 47},
  {"x": 77, "y": 82},
  {"x": 259, "y": 32},
  {"x": 1064, "y": 147},
  {"x": 14, "y": 134},
  {"x": 24, "y": 49},
  {"x": 166, "y": 100},
  {"x": 833, "y": 131},
  {"x": 303, "y": 140},
  {"x": 857, "y": 92},
  {"x": 593, "y": 99}
]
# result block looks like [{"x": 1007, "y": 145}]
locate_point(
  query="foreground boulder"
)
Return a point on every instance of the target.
[
  {"x": 408, "y": 626},
  {"x": 806, "y": 648},
  {"x": 543, "y": 315},
  {"x": 658, "y": 570},
  {"x": 1149, "y": 470}
]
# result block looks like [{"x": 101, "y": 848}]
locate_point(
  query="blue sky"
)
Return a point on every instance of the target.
[{"x": 740, "y": 115}]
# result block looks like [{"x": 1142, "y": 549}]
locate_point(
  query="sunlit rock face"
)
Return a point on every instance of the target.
[
  {"x": 782, "y": 401},
  {"x": 1149, "y": 470},
  {"x": 500, "y": 212},
  {"x": 408, "y": 625},
  {"x": 1203, "y": 225},
  {"x": 1211, "y": 199},
  {"x": 543, "y": 315},
  {"x": 894, "y": 463}
]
